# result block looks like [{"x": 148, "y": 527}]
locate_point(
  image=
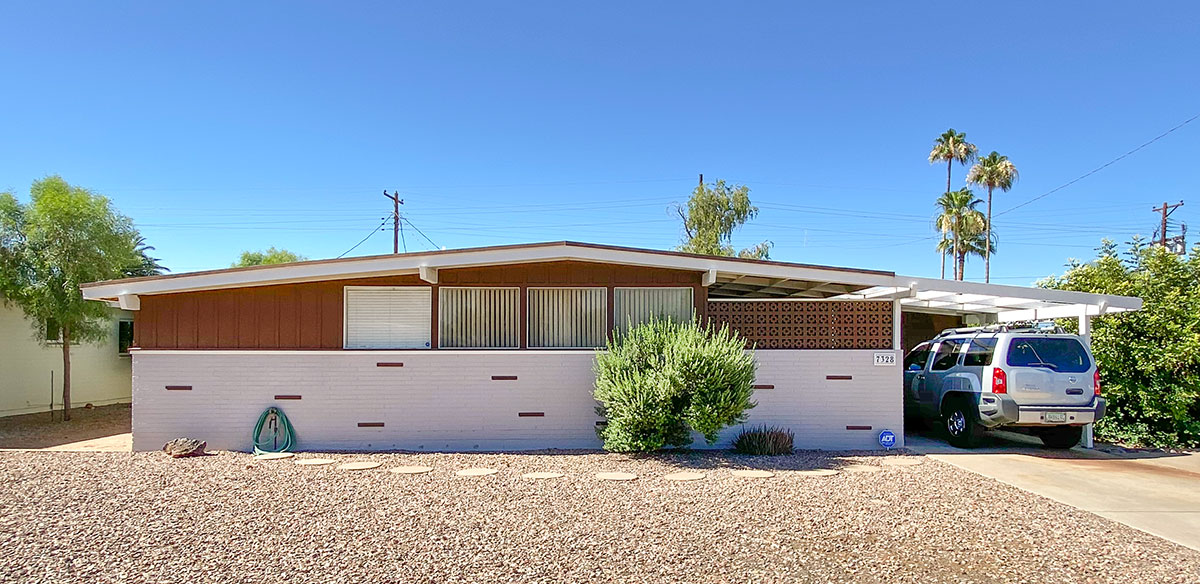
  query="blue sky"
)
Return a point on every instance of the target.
[{"x": 223, "y": 126}]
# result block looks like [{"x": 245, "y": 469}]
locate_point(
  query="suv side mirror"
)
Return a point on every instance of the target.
[{"x": 914, "y": 367}]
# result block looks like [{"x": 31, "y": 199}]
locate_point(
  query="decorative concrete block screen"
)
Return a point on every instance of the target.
[{"x": 812, "y": 324}]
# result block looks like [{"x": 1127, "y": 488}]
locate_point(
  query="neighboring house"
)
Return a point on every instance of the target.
[
  {"x": 493, "y": 348},
  {"x": 100, "y": 373}
]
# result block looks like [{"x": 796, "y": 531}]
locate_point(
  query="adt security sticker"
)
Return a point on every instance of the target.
[{"x": 887, "y": 439}]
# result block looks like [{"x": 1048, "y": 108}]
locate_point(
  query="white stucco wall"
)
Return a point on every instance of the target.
[
  {"x": 98, "y": 375},
  {"x": 447, "y": 400}
]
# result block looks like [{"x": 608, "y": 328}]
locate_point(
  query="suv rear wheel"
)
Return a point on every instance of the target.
[
  {"x": 960, "y": 419},
  {"x": 1060, "y": 436}
]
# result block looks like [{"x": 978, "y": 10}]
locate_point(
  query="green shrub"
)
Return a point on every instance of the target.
[
  {"x": 766, "y": 440},
  {"x": 662, "y": 380},
  {"x": 1149, "y": 359}
]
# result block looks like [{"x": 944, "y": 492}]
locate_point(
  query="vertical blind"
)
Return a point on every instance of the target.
[
  {"x": 479, "y": 318},
  {"x": 567, "y": 317},
  {"x": 388, "y": 318},
  {"x": 633, "y": 306}
]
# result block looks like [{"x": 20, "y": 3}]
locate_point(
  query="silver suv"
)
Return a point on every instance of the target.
[{"x": 972, "y": 379}]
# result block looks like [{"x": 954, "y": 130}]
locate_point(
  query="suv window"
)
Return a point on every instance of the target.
[
  {"x": 979, "y": 353},
  {"x": 947, "y": 355},
  {"x": 1059, "y": 354},
  {"x": 917, "y": 356}
]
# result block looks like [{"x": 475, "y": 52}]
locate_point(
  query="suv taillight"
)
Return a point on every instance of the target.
[
  {"x": 999, "y": 381},
  {"x": 1096, "y": 381}
]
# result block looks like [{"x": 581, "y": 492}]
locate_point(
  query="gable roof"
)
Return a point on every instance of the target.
[{"x": 725, "y": 277}]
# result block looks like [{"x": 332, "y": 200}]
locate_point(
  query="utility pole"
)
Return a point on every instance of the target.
[
  {"x": 396, "y": 202},
  {"x": 702, "y": 179},
  {"x": 1166, "y": 211}
]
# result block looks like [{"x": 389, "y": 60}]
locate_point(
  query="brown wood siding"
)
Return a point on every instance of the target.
[{"x": 309, "y": 315}]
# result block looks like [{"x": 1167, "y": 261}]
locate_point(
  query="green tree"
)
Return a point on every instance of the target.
[
  {"x": 64, "y": 237},
  {"x": 952, "y": 147},
  {"x": 712, "y": 213},
  {"x": 959, "y": 219},
  {"x": 269, "y": 256},
  {"x": 994, "y": 172},
  {"x": 1149, "y": 359}
]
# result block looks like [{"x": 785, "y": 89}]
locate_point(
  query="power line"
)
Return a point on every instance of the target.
[
  {"x": 410, "y": 224},
  {"x": 364, "y": 240},
  {"x": 1099, "y": 168}
]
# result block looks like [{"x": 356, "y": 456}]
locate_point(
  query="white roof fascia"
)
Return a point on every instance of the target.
[
  {"x": 1026, "y": 294},
  {"x": 411, "y": 264}
]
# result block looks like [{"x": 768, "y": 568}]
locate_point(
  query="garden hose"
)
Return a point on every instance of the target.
[{"x": 281, "y": 437}]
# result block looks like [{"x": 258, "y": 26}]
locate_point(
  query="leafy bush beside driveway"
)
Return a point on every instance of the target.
[{"x": 662, "y": 380}]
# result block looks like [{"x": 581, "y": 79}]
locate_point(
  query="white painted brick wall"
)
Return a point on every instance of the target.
[{"x": 447, "y": 400}]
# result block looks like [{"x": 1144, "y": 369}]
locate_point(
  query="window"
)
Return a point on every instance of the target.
[
  {"x": 479, "y": 318},
  {"x": 1058, "y": 354},
  {"x": 946, "y": 356},
  {"x": 917, "y": 357},
  {"x": 979, "y": 353},
  {"x": 387, "y": 317},
  {"x": 53, "y": 331},
  {"x": 633, "y": 306},
  {"x": 567, "y": 317},
  {"x": 124, "y": 336}
]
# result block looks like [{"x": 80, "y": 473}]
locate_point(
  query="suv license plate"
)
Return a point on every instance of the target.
[{"x": 1056, "y": 417}]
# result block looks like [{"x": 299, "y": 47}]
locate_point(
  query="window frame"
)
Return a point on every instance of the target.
[
  {"x": 617, "y": 324},
  {"x": 132, "y": 338},
  {"x": 603, "y": 317},
  {"x": 957, "y": 344},
  {"x": 346, "y": 318},
  {"x": 441, "y": 306},
  {"x": 927, "y": 348}
]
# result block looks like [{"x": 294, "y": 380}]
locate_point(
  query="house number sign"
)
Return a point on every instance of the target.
[{"x": 885, "y": 359}]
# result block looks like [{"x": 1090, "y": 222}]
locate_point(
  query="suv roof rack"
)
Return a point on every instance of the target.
[{"x": 1002, "y": 328}]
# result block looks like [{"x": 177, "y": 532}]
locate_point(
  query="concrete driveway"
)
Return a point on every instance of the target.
[{"x": 1158, "y": 493}]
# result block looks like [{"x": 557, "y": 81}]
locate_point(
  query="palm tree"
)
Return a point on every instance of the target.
[
  {"x": 972, "y": 245},
  {"x": 995, "y": 172},
  {"x": 944, "y": 247},
  {"x": 146, "y": 265},
  {"x": 952, "y": 147},
  {"x": 959, "y": 218}
]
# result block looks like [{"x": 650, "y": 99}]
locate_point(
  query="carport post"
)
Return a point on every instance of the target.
[{"x": 1085, "y": 331}]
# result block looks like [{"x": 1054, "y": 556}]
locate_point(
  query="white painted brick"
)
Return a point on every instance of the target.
[{"x": 446, "y": 400}]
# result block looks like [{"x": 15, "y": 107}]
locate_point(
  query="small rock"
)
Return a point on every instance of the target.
[{"x": 181, "y": 447}]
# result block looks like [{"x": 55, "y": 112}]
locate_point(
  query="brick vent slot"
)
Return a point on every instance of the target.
[
  {"x": 858, "y": 427},
  {"x": 287, "y": 397},
  {"x": 839, "y": 377},
  {"x": 763, "y": 386},
  {"x": 531, "y": 414},
  {"x": 386, "y": 364},
  {"x": 370, "y": 424},
  {"x": 504, "y": 378},
  {"x": 179, "y": 387}
]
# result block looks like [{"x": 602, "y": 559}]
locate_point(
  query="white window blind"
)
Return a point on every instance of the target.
[
  {"x": 479, "y": 318},
  {"x": 633, "y": 306},
  {"x": 387, "y": 317},
  {"x": 567, "y": 317}
]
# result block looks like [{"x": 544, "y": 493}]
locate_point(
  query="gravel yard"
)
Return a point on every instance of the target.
[{"x": 120, "y": 517}]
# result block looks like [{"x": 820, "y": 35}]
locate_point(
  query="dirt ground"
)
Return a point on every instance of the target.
[{"x": 39, "y": 431}]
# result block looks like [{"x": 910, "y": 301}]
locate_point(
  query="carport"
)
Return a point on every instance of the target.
[{"x": 929, "y": 305}]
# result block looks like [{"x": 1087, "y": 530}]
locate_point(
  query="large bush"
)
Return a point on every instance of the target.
[
  {"x": 1149, "y": 359},
  {"x": 662, "y": 380}
]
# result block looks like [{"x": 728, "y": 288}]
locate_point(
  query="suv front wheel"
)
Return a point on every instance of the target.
[
  {"x": 1060, "y": 436},
  {"x": 960, "y": 419}
]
